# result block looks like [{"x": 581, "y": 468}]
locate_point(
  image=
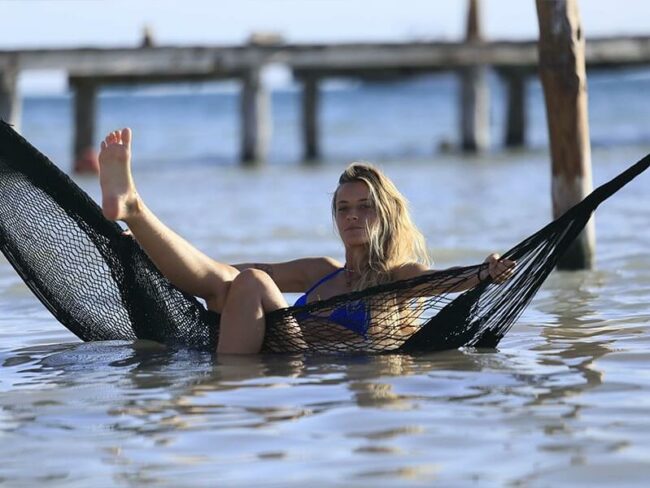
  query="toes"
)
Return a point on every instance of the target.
[
  {"x": 122, "y": 136},
  {"x": 126, "y": 137}
]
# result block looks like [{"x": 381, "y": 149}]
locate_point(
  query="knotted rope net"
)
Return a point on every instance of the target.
[{"x": 102, "y": 286}]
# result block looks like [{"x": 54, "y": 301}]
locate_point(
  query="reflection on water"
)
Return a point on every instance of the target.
[
  {"x": 580, "y": 336},
  {"x": 149, "y": 414}
]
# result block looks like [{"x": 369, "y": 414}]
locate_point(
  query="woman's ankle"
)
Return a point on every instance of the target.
[{"x": 135, "y": 211}]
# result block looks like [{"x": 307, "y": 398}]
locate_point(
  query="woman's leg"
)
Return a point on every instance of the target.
[
  {"x": 252, "y": 295},
  {"x": 180, "y": 262}
]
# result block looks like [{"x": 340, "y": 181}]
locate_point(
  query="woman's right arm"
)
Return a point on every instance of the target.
[{"x": 295, "y": 276}]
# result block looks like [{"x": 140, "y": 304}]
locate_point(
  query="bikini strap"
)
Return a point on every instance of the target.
[{"x": 323, "y": 280}]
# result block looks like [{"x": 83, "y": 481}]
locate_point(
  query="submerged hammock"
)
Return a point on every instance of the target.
[{"x": 101, "y": 285}]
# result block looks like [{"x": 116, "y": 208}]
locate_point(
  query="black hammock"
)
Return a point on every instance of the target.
[{"x": 101, "y": 285}]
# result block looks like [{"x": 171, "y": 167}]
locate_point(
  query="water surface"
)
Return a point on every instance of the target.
[{"x": 563, "y": 401}]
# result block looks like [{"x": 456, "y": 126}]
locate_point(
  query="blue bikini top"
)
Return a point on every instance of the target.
[{"x": 354, "y": 316}]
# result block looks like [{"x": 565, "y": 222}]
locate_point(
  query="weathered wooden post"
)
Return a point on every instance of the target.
[
  {"x": 515, "y": 80},
  {"x": 474, "y": 93},
  {"x": 85, "y": 103},
  {"x": 9, "y": 97},
  {"x": 255, "y": 117},
  {"x": 310, "y": 104},
  {"x": 563, "y": 74}
]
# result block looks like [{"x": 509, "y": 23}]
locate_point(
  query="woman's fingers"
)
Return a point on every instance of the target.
[
  {"x": 493, "y": 261},
  {"x": 504, "y": 270},
  {"x": 500, "y": 269}
]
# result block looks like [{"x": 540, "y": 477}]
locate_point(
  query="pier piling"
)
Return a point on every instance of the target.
[
  {"x": 310, "y": 106},
  {"x": 10, "y": 107},
  {"x": 515, "y": 81},
  {"x": 85, "y": 102},
  {"x": 563, "y": 73},
  {"x": 474, "y": 93},
  {"x": 255, "y": 114}
]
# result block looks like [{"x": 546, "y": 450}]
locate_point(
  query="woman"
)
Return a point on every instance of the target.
[{"x": 381, "y": 245}]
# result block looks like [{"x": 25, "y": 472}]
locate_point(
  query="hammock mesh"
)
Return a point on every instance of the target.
[{"x": 101, "y": 285}]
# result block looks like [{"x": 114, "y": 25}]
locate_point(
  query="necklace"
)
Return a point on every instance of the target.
[{"x": 349, "y": 273}]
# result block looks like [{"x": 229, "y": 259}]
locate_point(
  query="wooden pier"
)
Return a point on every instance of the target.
[{"x": 90, "y": 69}]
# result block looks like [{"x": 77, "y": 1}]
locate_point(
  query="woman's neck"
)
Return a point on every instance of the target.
[{"x": 355, "y": 259}]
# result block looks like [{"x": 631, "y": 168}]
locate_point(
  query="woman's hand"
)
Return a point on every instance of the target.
[{"x": 500, "y": 270}]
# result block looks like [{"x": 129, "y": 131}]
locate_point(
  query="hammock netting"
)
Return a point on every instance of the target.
[{"x": 102, "y": 286}]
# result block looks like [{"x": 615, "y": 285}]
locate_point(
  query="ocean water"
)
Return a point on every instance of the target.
[
  {"x": 562, "y": 402},
  {"x": 381, "y": 122}
]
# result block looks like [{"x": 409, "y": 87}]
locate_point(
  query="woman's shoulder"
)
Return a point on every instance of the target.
[
  {"x": 330, "y": 262},
  {"x": 317, "y": 267},
  {"x": 322, "y": 262},
  {"x": 406, "y": 271}
]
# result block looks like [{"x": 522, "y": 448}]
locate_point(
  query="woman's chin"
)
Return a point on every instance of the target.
[{"x": 355, "y": 241}]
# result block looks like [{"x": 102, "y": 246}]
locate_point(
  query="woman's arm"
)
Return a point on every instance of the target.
[
  {"x": 497, "y": 269},
  {"x": 295, "y": 276}
]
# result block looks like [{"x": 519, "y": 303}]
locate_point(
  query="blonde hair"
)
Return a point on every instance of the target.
[{"x": 393, "y": 240}]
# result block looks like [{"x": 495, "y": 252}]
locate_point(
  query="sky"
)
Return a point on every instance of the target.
[{"x": 76, "y": 23}]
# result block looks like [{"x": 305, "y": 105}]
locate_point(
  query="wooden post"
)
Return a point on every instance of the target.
[
  {"x": 310, "y": 103},
  {"x": 255, "y": 105},
  {"x": 515, "y": 80},
  {"x": 85, "y": 102},
  {"x": 9, "y": 98},
  {"x": 563, "y": 74},
  {"x": 474, "y": 93}
]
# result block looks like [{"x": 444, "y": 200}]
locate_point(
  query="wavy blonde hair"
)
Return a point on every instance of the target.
[{"x": 393, "y": 240}]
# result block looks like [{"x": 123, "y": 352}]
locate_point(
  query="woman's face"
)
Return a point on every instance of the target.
[{"x": 355, "y": 212}]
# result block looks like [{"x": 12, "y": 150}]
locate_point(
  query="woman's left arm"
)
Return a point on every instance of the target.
[{"x": 499, "y": 270}]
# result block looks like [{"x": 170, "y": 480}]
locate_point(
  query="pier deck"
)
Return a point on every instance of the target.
[{"x": 90, "y": 68}]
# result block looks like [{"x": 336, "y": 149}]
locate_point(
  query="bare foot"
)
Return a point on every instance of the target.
[{"x": 119, "y": 196}]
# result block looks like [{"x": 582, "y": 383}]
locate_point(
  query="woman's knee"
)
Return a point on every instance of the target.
[
  {"x": 251, "y": 281},
  {"x": 253, "y": 285}
]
